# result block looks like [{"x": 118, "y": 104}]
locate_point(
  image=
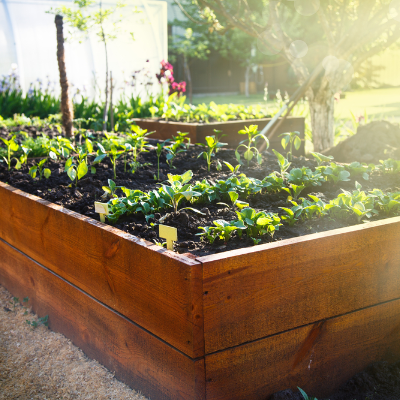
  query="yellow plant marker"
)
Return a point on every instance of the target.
[
  {"x": 102, "y": 209},
  {"x": 170, "y": 234}
]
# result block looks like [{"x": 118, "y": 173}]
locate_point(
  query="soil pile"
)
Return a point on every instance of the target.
[{"x": 378, "y": 140}]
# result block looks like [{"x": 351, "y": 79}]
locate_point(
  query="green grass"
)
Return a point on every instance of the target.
[{"x": 378, "y": 103}]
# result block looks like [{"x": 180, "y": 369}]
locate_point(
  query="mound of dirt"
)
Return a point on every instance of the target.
[{"x": 375, "y": 141}]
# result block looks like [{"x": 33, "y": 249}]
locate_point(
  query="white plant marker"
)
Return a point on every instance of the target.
[
  {"x": 102, "y": 209},
  {"x": 170, "y": 234}
]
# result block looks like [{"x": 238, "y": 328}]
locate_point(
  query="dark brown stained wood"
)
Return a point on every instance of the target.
[
  {"x": 198, "y": 132},
  {"x": 137, "y": 357},
  {"x": 318, "y": 358},
  {"x": 157, "y": 289},
  {"x": 254, "y": 293}
]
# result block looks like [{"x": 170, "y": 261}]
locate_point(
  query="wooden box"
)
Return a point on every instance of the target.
[
  {"x": 308, "y": 312},
  {"x": 198, "y": 132}
]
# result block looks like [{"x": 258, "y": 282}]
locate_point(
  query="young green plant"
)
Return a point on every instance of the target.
[
  {"x": 250, "y": 150},
  {"x": 211, "y": 145}
]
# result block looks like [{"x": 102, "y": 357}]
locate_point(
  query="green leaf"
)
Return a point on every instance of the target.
[
  {"x": 248, "y": 155},
  {"x": 33, "y": 171},
  {"x": 82, "y": 170},
  {"x": 100, "y": 158},
  {"x": 46, "y": 173},
  {"x": 71, "y": 173},
  {"x": 92, "y": 170},
  {"x": 187, "y": 176},
  {"x": 230, "y": 166},
  {"x": 297, "y": 142},
  {"x": 233, "y": 196}
]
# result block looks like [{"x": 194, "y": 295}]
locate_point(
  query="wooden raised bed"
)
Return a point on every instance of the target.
[
  {"x": 307, "y": 312},
  {"x": 198, "y": 132}
]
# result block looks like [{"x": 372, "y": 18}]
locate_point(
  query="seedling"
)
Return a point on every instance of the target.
[
  {"x": 42, "y": 171},
  {"x": 11, "y": 145},
  {"x": 252, "y": 136},
  {"x": 109, "y": 191},
  {"x": 304, "y": 394},
  {"x": 211, "y": 145},
  {"x": 283, "y": 162},
  {"x": 24, "y": 156},
  {"x": 233, "y": 169},
  {"x": 218, "y": 135},
  {"x": 321, "y": 158},
  {"x": 291, "y": 139},
  {"x": 176, "y": 147},
  {"x": 222, "y": 230},
  {"x": 259, "y": 223},
  {"x": 159, "y": 150},
  {"x": 179, "y": 189},
  {"x": 102, "y": 209},
  {"x": 77, "y": 171},
  {"x": 170, "y": 234}
]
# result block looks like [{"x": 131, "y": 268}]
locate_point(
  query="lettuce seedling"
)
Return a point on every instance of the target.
[
  {"x": 291, "y": 139},
  {"x": 76, "y": 171},
  {"x": 211, "y": 145},
  {"x": 259, "y": 223},
  {"x": 388, "y": 203},
  {"x": 335, "y": 173},
  {"x": 12, "y": 146},
  {"x": 390, "y": 165},
  {"x": 252, "y": 136},
  {"x": 42, "y": 171},
  {"x": 179, "y": 189},
  {"x": 222, "y": 230}
]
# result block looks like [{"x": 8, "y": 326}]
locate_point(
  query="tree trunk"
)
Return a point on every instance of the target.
[
  {"x": 322, "y": 120},
  {"x": 103, "y": 36},
  {"x": 67, "y": 109},
  {"x": 247, "y": 82},
  {"x": 188, "y": 78},
  {"x": 111, "y": 102}
]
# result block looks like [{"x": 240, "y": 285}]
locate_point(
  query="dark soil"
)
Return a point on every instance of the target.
[
  {"x": 57, "y": 189},
  {"x": 380, "y": 381}
]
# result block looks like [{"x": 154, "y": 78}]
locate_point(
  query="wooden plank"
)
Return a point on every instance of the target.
[
  {"x": 318, "y": 358},
  {"x": 253, "y": 293},
  {"x": 167, "y": 129},
  {"x": 149, "y": 285},
  {"x": 137, "y": 357}
]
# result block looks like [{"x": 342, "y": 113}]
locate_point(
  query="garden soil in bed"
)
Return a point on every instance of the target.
[
  {"x": 41, "y": 364},
  {"x": 57, "y": 190}
]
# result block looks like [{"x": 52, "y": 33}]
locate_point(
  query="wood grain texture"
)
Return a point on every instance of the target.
[
  {"x": 318, "y": 358},
  {"x": 155, "y": 288},
  {"x": 198, "y": 132},
  {"x": 254, "y": 293},
  {"x": 137, "y": 357}
]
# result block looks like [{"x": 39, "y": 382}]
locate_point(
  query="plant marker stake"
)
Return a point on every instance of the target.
[
  {"x": 102, "y": 209},
  {"x": 170, "y": 234}
]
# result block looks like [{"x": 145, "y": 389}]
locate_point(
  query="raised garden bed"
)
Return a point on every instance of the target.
[
  {"x": 198, "y": 131},
  {"x": 310, "y": 311}
]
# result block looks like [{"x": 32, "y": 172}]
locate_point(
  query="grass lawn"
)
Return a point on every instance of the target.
[{"x": 378, "y": 103}]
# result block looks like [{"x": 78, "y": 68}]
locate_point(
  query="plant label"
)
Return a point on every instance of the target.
[
  {"x": 102, "y": 209},
  {"x": 170, "y": 234}
]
